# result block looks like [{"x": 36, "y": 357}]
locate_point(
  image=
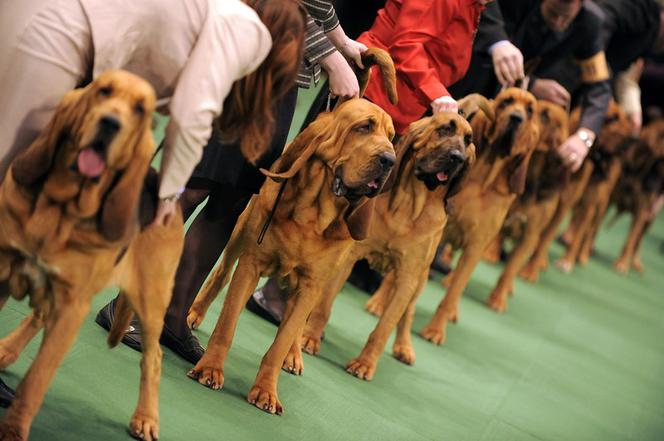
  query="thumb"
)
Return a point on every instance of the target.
[{"x": 358, "y": 60}]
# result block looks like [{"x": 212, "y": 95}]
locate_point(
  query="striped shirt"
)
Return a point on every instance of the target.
[{"x": 321, "y": 19}]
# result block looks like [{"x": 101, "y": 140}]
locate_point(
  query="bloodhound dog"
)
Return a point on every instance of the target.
[
  {"x": 297, "y": 229},
  {"x": 506, "y": 138},
  {"x": 432, "y": 160},
  {"x": 641, "y": 184},
  {"x": 69, "y": 226},
  {"x": 547, "y": 175},
  {"x": 612, "y": 133},
  {"x": 589, "y": 211}
]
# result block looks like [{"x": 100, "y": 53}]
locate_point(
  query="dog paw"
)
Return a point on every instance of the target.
[
  {"x": 638, "y": 266},
  {"x": 7, "y": 357},
  {"x": 434, "y": 334},
  {"x": 11, "y": 433},
  {"x": 194, "y": 318},
  {"x": 404, "y": 353},
  {"x": 361, "y": 368},
  {"x": 265, "y": 400},
  {"x": 564, "y": 265},
  {"x": 497, "y": 301},
  {"x": 293, "y": 364},
  {"x": 375, "y": 306},
  {"x": 310, "y": 345},
  {"x": 621, "y": 266},
  {"x": 208, "y": 376},
  {"x": 529, "y": 274},
  {"x": 144, "y": 427}
]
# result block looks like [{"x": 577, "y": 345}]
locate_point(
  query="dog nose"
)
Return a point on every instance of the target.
[
  {"x": 516, "y": 118},
  {"x": 457, "y": 157},
  {"x": 110, "y": 124},
  {"x": 387, "y": 160}
]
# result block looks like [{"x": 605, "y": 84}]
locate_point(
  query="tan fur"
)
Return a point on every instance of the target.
[
  {"x": 311, "y": 231},
  {"x": 62, "y": 233},
  {"x": 477, "y": 212}
]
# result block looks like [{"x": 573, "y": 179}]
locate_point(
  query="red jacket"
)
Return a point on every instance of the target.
[{"x": 430, "y": 42}]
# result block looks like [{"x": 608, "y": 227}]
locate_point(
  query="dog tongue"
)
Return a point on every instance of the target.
[
  {"x": 90, "y": 164},
  {"x": 442, "y": 176},
  {"x": 373, "y": 184}
]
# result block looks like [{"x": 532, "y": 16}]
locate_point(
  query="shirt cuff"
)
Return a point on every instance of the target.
[
  {"x": 432, "y": 91},
  {"x": 496, "y": 44}
]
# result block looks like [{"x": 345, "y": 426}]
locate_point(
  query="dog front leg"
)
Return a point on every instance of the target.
[
  {"x": 263, "y": 394},
  {"x": 402, "y": 349},
  {"x": 12, "y": 345},
  {"x": 60, "y": 329}
]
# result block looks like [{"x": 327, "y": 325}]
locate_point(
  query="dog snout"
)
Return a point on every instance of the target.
[
  {"x": 516, "y": 118},
  {"x": 387, "y": 160},
  {"x": 456, "y": 157},
  {"x": 110, "y": 124}
]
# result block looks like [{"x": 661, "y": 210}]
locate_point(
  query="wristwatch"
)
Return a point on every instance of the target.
[{"x": 584, "y": 135}]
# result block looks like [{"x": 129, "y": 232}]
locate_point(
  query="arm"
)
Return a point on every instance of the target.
[{"x": 237, "y": 43}]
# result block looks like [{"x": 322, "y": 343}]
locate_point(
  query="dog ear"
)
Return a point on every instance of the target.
[
  {"x": 459, "y": 178},
  {"x": 358, "y": 219},
  {"x": 518, "y": 171},
  {"x": 120, "y": 207},
  {"x": 299, "y": 151},
  {"x": 35, "y": 162}
]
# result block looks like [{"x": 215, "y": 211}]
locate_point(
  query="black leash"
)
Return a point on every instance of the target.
[{"x": 266, "y": 225}]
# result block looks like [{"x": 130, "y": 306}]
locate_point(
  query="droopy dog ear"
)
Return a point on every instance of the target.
[
  {"x": 358, "y": 219},
  {"x": 35, "y": 162}
]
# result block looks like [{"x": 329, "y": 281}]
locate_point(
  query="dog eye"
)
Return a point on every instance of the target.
[
  {"x": 139, "y": 109},
  {"x": 364, "y": 128},
  {"x": 468, "y": 139},
  {"x": 529, "y": 111},
  {"x": 502, "y": 104},
  {"x": 105, "y": 91}
]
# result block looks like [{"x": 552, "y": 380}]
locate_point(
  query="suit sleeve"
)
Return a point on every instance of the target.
[
  {"x": 491, "y": 29},
  {"x": 418, "y": 23}
]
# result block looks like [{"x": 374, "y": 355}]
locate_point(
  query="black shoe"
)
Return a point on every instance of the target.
[
  {"x": 187, "y": 347},
  {"x": 258, "y": 305},
  {"x": 132, "y": 337},
  {"x": 6, "y": 394}
]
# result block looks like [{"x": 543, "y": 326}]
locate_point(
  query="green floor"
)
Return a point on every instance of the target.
[{"x": 578, "y": 357}]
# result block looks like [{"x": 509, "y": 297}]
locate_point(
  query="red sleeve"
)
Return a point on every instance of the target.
[{"x": 419, "y": 22}]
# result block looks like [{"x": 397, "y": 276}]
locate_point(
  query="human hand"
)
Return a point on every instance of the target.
[
  {"x": 343, "y": 82},
  {"x": 444, "y": 104},
  {"x": 637, "y": 122},
  {"x": 349, "y": 48},
  {"x": 166, "y": 210},
  {"x": 573, "y": 151},
  {"x": 551, "y": 90},
  {"x": 507, "y": 63}
]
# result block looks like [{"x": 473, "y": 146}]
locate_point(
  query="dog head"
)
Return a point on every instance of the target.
[
  {"x": 554, "y": 126},
  {"x": 99, "y": 141},
  {"x": 441, "y": 150}
]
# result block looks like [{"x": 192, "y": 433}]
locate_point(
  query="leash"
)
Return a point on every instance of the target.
[{"x": 266, "y": 225}]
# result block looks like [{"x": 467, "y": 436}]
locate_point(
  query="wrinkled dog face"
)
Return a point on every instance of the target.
[
  {"x": 615, "y": 129},
  {"x": 441, "y": 148},
  {"x": 120, "y": 107},
  {"x": 366, "y": 155},
  {"x": 515, "y": 116},
  {"x": 554, "y": 125}
]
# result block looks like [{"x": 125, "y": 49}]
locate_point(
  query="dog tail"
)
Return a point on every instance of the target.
[
  {"x": 123, "y": 315},
  {"x": 378, "y": 57}
]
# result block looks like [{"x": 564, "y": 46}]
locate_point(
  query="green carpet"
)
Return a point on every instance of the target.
[{"x": 577, "y": 357}]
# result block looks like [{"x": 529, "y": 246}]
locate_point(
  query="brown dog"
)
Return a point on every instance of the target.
[
  {"x": 547, "y": 175},
  {"x": 325, "y": 178},
  {"x": 641, "y": 184},
  {"x": 433, "y": 159},
  {"x": 69, "y": 227},
  {"x": 614, "y": 127},
  {"x": 589, "y": 211},
  {"x": 505, "y": 140}
]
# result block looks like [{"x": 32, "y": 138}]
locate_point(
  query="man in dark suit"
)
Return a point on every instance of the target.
[{"x": 535, "y": 34}]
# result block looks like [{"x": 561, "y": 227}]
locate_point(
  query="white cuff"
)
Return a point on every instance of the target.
[{"x": 496, "y": 44}]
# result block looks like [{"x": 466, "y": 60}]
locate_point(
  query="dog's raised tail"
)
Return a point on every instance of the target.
[
  {"x": 123, "y": 315},
  {"x": 378, "y": 57}
]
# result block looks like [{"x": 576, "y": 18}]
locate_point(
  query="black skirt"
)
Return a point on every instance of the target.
[{"x": 224, "y": 164}]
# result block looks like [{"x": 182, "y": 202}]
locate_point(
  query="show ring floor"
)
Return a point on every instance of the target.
[{"x": 577, "y": 357}]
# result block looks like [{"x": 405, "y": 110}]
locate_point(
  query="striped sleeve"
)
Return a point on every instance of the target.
[
  {"x": 323, "y": 12},
  {"x": 316, "y": 47}
]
